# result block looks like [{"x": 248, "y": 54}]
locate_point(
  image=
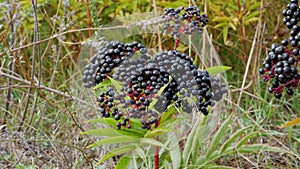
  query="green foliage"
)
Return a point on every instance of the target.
[
  {"x": 217, "y": 69},
  {"x": 221, "y": 145},
  {"x": 234, "y": 15}
]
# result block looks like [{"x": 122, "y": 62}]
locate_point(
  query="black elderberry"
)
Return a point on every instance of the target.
[{"x": 280, "y": 65}]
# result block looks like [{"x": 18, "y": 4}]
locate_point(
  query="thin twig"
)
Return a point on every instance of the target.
[
  {"x": 63, "y": 33},
  {"x": 247, "y": 67},
  {"x": 34, "y": 53},
  {"x": 36, "y": 50},
  {"x": 11, "y": 66},
  {"x": 44, "y": 88},
  {"x": 157, "y": 27}
]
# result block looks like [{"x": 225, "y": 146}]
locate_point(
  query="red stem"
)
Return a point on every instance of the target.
[
  {"x": 156, "y": 157},
  {"x": 156, "y": 151},
  {"x": 176, "y": 43}
]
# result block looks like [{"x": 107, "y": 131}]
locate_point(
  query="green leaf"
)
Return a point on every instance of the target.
[
  {"x": 225, "y": 34},
  {"x": 166, "y": 116},
  {"x": 116, "y": 84},
  {"x": 188, "y": 148},
  {"x": 133, "y": 132},
  {"x": 234, "y": 136},
  {"x": 154, "y": 101},
  {"x": 139, "y": 151},
  {"x": 153, "y": 142},
  {"x": 156, "y": 132},
  {"x": 254, "y": 6},
  {"x": 117, "y": 151},
  {"x": 102, "y": 132},
  {"x": 174, "y": 151},
  {"x": 218, "y": 137},
  {"x": 223, "y": 19},
  {"x": 217, "y": 69},
  {"x": 232, "y": 26},
  {"x": 107, "y": 121},
  {"x": 218, "y": 167},
  {"x": 115, "y": 140},
  {"x": 110, "y": 132},
  {"x": 223, "y": 24},
  {"x": 248, "y": 21},
  {"x": 123, "y": 162},
  {"x": 198, "y": 138},
  {"x": 106, "y": 82},
  {"x": 257, "y": 148},
  {"x": 246, "y": 138}
]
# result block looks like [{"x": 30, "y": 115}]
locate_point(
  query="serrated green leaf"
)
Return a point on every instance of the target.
[
  {"x": 117, "y": 151},
  {"x": 246, "y": 138},
  {"x": 115, "y": 140},
  {"x": 233, "y": 138},
  {"x": 218, "y": 137},
  {"x": 217, "y": 69},
  {"x": 123, "y": 162}
]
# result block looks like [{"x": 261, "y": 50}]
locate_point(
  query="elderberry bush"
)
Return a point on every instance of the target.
[
  {"x": 281, "y": 63},
  {"x": 151, "y": 83},
  {"x": 184, "y": 20}
]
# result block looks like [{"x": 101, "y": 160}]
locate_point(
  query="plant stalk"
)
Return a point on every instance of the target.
[{"x": 156, "y": 151}]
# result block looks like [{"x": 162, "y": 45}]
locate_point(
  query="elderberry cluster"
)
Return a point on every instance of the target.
[
  {"x": 280, "y": 64},
  {"x": 184, "y": 20},
  {"x": 108, "y": 57},
  {"x": 167, "y": 77},
  {"x": 218, "y": 89},
  {"x": 150, "y": 83},
  {"x": 291, "y": 14}
]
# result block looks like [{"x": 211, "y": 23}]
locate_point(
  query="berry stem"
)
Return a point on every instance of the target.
[
  {"x": 156, "y": 157},
  {"x": 176, "y": 43}
]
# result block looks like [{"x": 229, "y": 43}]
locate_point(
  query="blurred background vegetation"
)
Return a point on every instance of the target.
[{"x": 40, "y": 44}]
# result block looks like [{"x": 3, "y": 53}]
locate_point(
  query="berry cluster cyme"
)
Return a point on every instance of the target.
[
  {"x": 109, "y": 56},
  {"x": 184, "y": 20},
  {"x": 280, "y": 65},
  {"x": 150, "y": 83}
]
